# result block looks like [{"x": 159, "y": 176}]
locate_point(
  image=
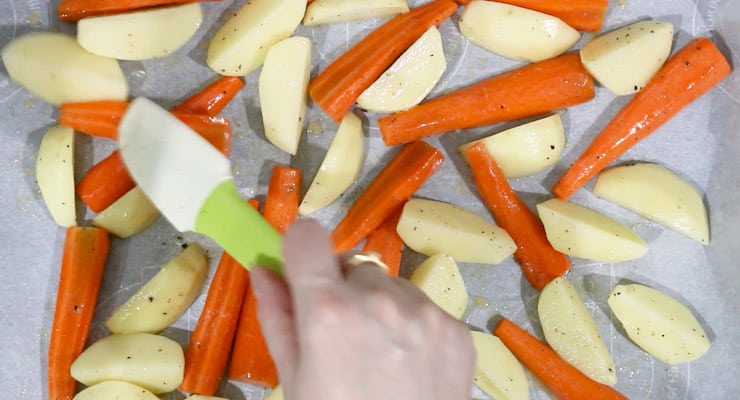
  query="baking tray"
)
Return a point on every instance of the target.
[{"x": 702, "y": 144}]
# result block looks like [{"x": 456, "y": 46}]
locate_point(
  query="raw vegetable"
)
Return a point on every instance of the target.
[
  {"x": 625, "y": 59},
  {"x": 140, "y": 35},
  {"x": 527, "y": 91},
  {"x": 55, "y": 174},
  {"x": 283, "y": 194},
  {"x": 516, "y": 32},
  {"x": 165, "y": 297},
  {"x": 497, "y": 371},
  {"x": 658, "y": 323},
  {"x": 525, "y": 149},
  {"x": 282, "y": 91},
  {"x": 385, "y": 242},
  {"x": 340, "y": 167},
  {"x": 105, "y": 182},
  {"x": 563, "y": 380},
  {"x": 583, "y": 15},
  {"x": 688, "y": 74},
  {"x": 395, "y": 184},
  {"x": 83, "y": 262},
  {"x": 539, "y": 261},
  {"x": 431, "y": 226},
  {"x": 439, "y": 278},
  {"x": 130, "y": 214},
  {"x": 337, "y": 87},
  {"x": 571, "y": 331},
  {"x": 54, "y": 67},
  {"x": 115, "y": 390},
  {"x": 74, "y": 10},
  {"x": 410, "y": 78},
  {"x": 659, "y": 194},
  {"x": 582, "y": 232},
  {"x": 213, "y": 98},
  {"x": 151, "y": 361},
  {"x": 321, "y": 12}
]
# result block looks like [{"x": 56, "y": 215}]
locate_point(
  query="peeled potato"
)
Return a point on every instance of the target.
[
  {"x": 54, "y": 67},
  {"x": 516, "y": 32},
  {"x": 525, "y": 149},
  {"x": 410, "y": 78},
  {"x": 130, "y": 214},
  {"x": 139, "y": 35},
  {"x": 321, "y": 12},
  {"x": 497, "y": 371},
  {"x": 658, "y": 323},
  {"x": 440, "y": 278},
  {"x": 115, "y": 390},
  {"x": 625, "y": 59},
  {"x": 656, "y": 193},
  {"x": 571, "y": 331},
  {"x": 55, "y": 174}
]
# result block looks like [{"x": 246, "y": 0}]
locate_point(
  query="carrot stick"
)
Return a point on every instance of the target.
[
  {"x": 105, "y": 182},
  {"x": 94, "y": 118},
  {"x": 539, "y": 261},
  {"x": 691, "y": 72},
  {"x": 528, "y": 91},
  {"x": 74, "y": 10},
  {"x": 207, "y": 353},
  {"x": 83, "y": 263},
  {"x": 406, "y": 172},
  {"x": 582, "y": 15},
  {"x": 565, "y": 381},
  {"x": 251, "y": 361},
  {"x": 387, "y": 243},
  {"x": 216, "y": 130},
  {"x": 213, "y": 98},
  {"x": 337, "y": 87}
]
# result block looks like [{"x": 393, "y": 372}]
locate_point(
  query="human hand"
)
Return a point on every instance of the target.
[{"x": 339, "y": 332}]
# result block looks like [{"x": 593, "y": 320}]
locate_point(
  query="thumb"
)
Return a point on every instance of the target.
[{"x": 275, "y": 313}]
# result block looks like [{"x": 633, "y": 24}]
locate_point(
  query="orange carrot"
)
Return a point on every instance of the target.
[
  {"x": 283, "y": 197},
  {"x": 539, "y": 261},
  {"x": 213, "y": 98},
  {"x": 216, "y": 130},
  {"x": 528, "y": 91},
  {"x": 94, "y": 118},
  {"x": 583, "y": 15},
  {"x": 74, "y": 10},
  {"x": 83, "y": 263},
  {"x": 406, "y": 172},
  {"x": 207, "y": 353},
  {"x": 565, "y": 381},
  {"x": 387, "y": 243},
  {"x": 337, "y": 87},
  {"x": 105, "y": 183},
  {"x": 691, "y": 72}
]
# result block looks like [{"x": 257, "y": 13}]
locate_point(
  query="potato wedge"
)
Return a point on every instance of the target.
[
  {"x": 167, "y": 295},
  {"x": 115, "y": 390},
  {"x": 516, "y": 32},
  {"x": 625, "y": 59},
  {"x": 151, "y": 361},
  {"x": 430, "y": 227},
  {"x": 275, "y": 394},
  {"x": 282, "y": 91},
  {"x": 140, "y": 35},
  {"x": 497, "y": 372},
  {"x": 440, "y": 278},
  {"x": 525, "y": 149},
  {"x": 129, "y": 215},
  {"x": 658, "y": 323},
  {"x": 55, "y": 174},
  {"x": 240, "y": 46},
  {"x": 571, "y": 331},
  {"x": 579, "y": 231},
  {"x": 339, "y": 168},
  {"x": 54, "y": 67},
  {"x": 410, "y": 78},
  {"x": 322, "y": 12},
  {"x": 659, "y": 194}
]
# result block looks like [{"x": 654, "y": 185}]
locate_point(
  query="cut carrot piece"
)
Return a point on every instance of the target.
[
  {"x": 395, "y": 184},
  {"x": 207, "y": 353},
  {"x": 74, "y": 10},
  {"x": 565, "y": 381},
  {"x": 213, "y": 98},
  {"x": 83, "y": 263},
  {"x": 539, "y": 261},
  {"x": 691, "y": 72},
  {"x": 105, "y": 183},
  {"x": 528, "y": 91},
  {"x": 582, "y": 15},
  {"x": 387, "y": 243},
  {"x": 216, "y": 130},
  {"x": 337, "y": 87},
  {"x": 283, "y": 197},
  {"x": 94, "y": 118}
]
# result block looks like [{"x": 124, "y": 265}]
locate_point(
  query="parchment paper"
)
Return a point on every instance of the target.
[{"x": 701, "y": 144}]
